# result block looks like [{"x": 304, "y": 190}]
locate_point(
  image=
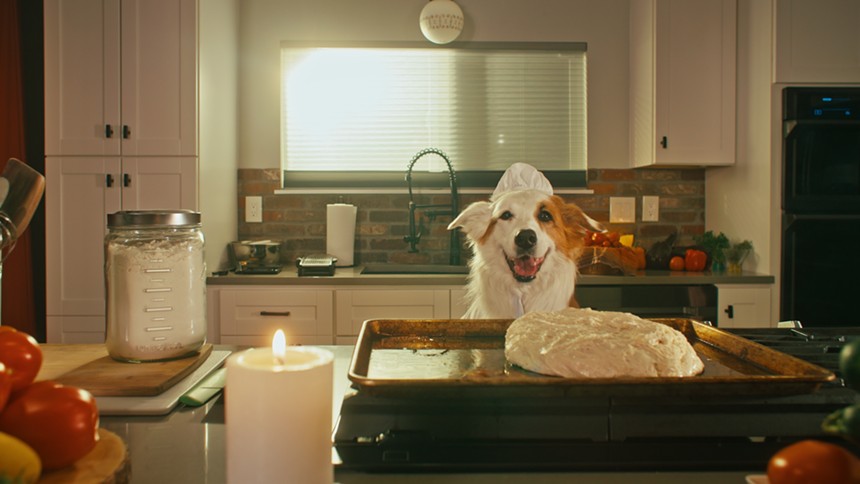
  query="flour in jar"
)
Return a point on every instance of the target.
[
  {"x": 584, "y": 343},
  {"x": 156, "y": 293}
]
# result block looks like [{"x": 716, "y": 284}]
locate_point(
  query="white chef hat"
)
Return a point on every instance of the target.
[{"x": 522, "y": 176}]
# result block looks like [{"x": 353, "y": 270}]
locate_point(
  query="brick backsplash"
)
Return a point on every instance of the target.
[{"x": 298, "y": 221}]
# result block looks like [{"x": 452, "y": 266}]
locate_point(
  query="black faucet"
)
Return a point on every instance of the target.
[{"x": 433, "y": 210}]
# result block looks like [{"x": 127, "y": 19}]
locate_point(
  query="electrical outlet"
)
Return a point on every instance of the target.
[
  {"x": 650, "y": 209},
  {"x": 253, "y": 209},
  {"x": 622, "y": 210}
]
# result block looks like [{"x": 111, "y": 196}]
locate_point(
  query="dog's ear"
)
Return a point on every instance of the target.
[
  {"x": 473, "y": 220},
  {"x": 575, "y": 217}
]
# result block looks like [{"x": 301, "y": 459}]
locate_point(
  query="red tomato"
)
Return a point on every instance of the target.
[
  {"x": 694, "y": 260},
  {"x": 813, "y": 462},
  {"x": 676, "y": 263},
  {"x": 5, "y": 385},
  {"x": 22, "y": 356},
  {"x": 60, "y": 423}
]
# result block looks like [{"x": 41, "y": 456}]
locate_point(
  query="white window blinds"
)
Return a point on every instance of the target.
[{"x": 373, "y": 108}]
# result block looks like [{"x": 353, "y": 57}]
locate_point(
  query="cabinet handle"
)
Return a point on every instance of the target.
[
  {"x": 664, "y": 142},
  {"x": 126, "y": 131},
  {"x": 274, "y": 313},
  {"x": 730, "y": 310},
  {"x": 108, "y": 131},
  {"x": 126, "y": 180},
  {"x": 109, "y": 180}
]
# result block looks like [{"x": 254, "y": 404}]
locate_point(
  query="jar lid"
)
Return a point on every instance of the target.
[{"x": 139, "y": 218}]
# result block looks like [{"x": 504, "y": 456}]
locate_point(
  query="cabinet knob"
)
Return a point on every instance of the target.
[
  {"x": 126, "y": 131},
  {"x": 664, "y": 142},
  {"x": 126, "y": 180},
  {"x": 108, "y": 180},
  {"x": 730, "y": 311},
  {"x": 108, "y": 131}
]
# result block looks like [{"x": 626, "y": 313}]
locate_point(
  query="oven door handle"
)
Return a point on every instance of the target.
[{"x": 790, "y": 218}]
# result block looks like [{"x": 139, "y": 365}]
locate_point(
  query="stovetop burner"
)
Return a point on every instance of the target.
[{"x": 596, "y": 433}]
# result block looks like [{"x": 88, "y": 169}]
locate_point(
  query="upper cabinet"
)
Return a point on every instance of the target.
[
  {"x": 682, "y": 82},
  {"x": 121, "y": 77},
  {"x": 817, "y": 41}
]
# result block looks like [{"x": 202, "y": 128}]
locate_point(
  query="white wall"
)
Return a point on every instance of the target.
[
  {"x": 219, "y": 65},
  {"x": 738, "y": 199},
  {"x": 603, "y": 24}
]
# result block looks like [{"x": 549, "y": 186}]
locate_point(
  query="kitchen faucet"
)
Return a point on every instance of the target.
[{"x": 433, "y": 210}]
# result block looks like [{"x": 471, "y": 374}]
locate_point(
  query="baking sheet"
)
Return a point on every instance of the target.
[{"x": 466, "y": 357}]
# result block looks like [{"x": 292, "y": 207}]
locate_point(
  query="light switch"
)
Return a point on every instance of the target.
[{"x": 622, "y": 210}]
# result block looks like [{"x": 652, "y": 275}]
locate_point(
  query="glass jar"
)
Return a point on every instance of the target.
[{"x": 155, "y": 278}]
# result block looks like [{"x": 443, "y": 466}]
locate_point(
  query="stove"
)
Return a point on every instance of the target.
[{"x": 389, "y": 433}]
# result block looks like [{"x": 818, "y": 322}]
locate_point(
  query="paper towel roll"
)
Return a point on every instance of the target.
[{"x": 340, "y": 232}]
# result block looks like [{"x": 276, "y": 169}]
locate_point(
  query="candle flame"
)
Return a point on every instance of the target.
[{"x": 279, "y": 346}]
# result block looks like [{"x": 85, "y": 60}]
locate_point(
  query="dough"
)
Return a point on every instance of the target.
[{"x": 577, "y": 343}]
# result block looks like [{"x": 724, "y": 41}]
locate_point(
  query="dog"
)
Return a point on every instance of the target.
[{"x": 525, "y": 243}]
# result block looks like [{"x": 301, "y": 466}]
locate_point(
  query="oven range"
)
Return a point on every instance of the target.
[{"x": 387, "y": 433}]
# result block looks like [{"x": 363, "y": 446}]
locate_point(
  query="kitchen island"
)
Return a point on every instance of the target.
[{"x": 188, "y": 446}]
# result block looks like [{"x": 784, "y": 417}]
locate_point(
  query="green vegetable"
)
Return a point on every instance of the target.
[
  {"x": 849, "y": 363},
  {"x": 714, "y": 245},
  {"x": 844, "y": 422}
]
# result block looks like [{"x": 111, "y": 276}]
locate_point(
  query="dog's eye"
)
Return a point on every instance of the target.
[
  {"x": 544, "y": 216},
  {"x": 506, "y": 215}
]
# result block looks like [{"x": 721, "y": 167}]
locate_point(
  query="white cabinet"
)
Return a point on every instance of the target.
[
  {"x": 120, "y": 77},
  {"x": 682, "y": 82},
  {"x": 817, "y": 41},
  {"x": 250, "y": 315},
  {"x": 354, "y": 306},
  {"x": 120, "y": 134},
  {"x": 743, "y": 306},
  {"x": 81, "y": 192}
]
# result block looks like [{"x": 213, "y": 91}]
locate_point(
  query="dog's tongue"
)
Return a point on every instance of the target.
[{"x": 526, "y": 266}]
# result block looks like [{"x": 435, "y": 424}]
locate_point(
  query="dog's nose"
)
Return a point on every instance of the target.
[{"x": 526, "y": 239}]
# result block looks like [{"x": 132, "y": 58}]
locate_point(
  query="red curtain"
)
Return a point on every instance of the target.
[{"x": 18, "y": 301}]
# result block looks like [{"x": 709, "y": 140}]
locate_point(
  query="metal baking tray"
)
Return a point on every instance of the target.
[{"x": 465, "y": 357}]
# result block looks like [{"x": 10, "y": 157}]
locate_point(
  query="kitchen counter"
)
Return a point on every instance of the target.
[
  {"x": 353, "y": 276},
  {"x": 188, "y": 446}
]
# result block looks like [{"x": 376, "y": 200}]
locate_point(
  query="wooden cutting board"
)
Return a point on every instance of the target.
[{"x": 88, "y": 366}]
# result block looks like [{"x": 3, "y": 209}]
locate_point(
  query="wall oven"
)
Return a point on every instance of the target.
[{"x": 821, "y": 206}]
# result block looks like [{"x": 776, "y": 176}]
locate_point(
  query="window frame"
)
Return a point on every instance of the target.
[{"x": 321, "y": 180}]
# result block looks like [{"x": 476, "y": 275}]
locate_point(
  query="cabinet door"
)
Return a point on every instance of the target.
[
  {"x": 159, "y": 183},
  {"x": 82, "y": 72},
  {"x": 743, "y": 306},
  {"x": 683, "y": 82},
  {"x": 159, "y": 77},
  {"x": 356, "y": 306},
  {"x": 817, "y": 41},
  {"x": 77, "y": 200}
]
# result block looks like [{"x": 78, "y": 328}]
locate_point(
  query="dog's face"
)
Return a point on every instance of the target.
[{"x": 525, "y": 229}]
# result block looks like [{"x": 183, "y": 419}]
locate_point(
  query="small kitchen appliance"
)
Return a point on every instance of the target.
[
  {"x": 316, "y": 265},
  {"x": 255, "y": 256}
]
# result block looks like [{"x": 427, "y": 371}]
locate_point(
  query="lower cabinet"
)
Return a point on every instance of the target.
[
  {"x": 250, "y": 315},
  {"x": 744, "y": 306},
  {"x": 354, "y": 306}
]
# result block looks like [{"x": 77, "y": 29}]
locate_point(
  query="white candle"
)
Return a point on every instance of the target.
[{"x": 278, "y": 406}]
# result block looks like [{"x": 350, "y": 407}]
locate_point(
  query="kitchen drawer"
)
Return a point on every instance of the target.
[
  {"x": 251, "y": 316},
  {"x": 356, "y": 306}
]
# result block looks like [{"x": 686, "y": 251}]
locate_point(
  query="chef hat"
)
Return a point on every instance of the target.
[{"x": 522, "y": 176}]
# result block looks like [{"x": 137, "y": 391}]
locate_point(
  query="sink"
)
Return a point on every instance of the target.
[{"x": 414, "y": 269}]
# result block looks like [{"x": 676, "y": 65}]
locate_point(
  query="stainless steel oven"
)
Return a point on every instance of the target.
[{"x": 820, "y": 205}]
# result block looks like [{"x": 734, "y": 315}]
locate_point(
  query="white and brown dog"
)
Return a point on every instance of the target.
[{"x": 525, "y": 244}]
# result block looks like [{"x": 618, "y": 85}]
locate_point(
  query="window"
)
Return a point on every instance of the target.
[{"x": 357, "y": 115}]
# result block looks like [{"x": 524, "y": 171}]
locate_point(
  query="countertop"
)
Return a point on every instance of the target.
[
  {"x": 346, "y": 276},
  {"x": 188, "y": 446}
]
